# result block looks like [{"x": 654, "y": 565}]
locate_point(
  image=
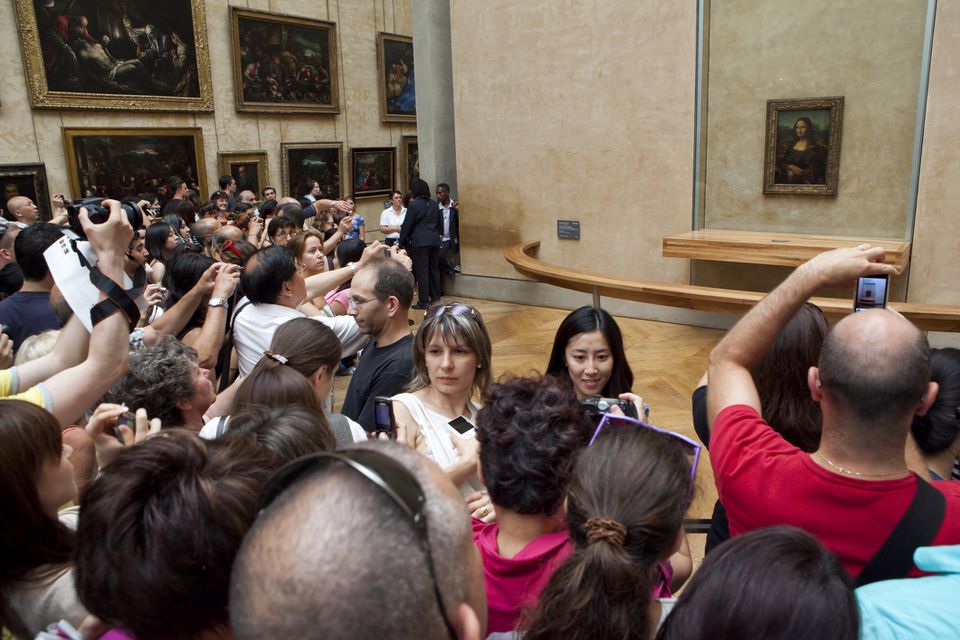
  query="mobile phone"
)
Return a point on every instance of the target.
[
  {"x": 871, "y": 293},
  {"x": 383, "y": 417},
  {"x": 462, "y": 426}
]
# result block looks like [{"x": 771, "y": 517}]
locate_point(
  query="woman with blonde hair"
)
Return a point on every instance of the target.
[{"x": 451, "y": 361}]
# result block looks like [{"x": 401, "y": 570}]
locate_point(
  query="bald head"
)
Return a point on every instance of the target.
[
  {"x": 335, "y": 557},
  {"x": 875, "y": 365},
  {"x": 248, "y": 196},
  {"x": 204, "y": 228},
  {"x": 23, "y": 209}
]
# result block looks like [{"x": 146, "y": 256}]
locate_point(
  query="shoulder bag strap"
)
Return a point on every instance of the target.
[{"x": 917, "y": 528}]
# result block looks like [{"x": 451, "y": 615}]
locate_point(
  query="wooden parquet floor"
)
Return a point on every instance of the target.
[{"x": 667, "y": 360}]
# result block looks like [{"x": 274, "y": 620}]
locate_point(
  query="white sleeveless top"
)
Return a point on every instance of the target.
[{"x": 437, "y": 433}]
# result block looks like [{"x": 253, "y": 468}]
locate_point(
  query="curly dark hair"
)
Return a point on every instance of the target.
[{"x": 530, "y": 431}]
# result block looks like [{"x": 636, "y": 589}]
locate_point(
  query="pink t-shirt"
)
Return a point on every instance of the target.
[
  {"x": 343, "y": 297},
  {"x": 515, "y": 583}
]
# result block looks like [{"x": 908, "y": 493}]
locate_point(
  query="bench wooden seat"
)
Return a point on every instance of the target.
[
  {"x": 760, "y": 247},
  {"x": 928, "y": 317}
]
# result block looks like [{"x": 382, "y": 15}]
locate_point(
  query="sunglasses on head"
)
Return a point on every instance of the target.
[
  {"x": 691, "y": 448},
  {"x": 385, "y": 473},
  {"x": 455, "y": 308},
  {"x": 229, "y": 246}
]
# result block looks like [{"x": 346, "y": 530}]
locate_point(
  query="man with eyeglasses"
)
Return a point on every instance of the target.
[
  {"x": 856, "y": 493},
  {"x": 276, "y": 289},
  {"x": 372, "y": 541},
  {"x": 380, "y": 297}
]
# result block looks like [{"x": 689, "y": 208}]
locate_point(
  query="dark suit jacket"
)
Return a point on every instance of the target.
[
  {"x": 454, "y": 229},
  {"x": 422, "y": 226}
]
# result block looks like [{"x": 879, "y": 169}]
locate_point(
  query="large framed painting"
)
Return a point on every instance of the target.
[
  {"x": 284, "y": 63},
  {"x": 320, "y": 161},
  {"x": 409, "y": 161},
  {"x": 118, "y": 163},
  {"x": 28, "y": 180},
  {"x": 372, "y": 170},
  {"x": 398, "y": 97},
  {"x": 248, "y": 168},
  {"x": 131, "y": 55},
  {"x": 802, "y": 153}
]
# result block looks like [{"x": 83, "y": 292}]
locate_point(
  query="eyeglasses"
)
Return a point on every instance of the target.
[
  {"x": 692, "y": 448},
  {"x": 355, "y": 302},
  {"x": 382, "y": 471},
  {"x": 455, "y": 308},
  {"x": 229, "y": 246}
]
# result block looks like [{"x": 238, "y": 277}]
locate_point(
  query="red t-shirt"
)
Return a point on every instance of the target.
[
  {"x": 515, "y": 583},
  {"x": 763, "y": 481}
]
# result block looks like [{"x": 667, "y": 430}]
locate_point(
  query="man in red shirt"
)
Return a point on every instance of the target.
[{"x": 872, "y": 377}]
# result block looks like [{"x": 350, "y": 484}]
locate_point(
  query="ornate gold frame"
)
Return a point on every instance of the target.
[
  {"x": 285, "y": 147},
  {"x": 774, "y": 108},
  {"x": 405, "y": 142},
  {"x": 226, "y": 158},
  {"x": 382, "y": 78},
  {"x": 390, "y": 152},
  {"x": 330, "y": 27},
  {"x": 41, "y": 97},
  {"x": 70, "y": 134}
]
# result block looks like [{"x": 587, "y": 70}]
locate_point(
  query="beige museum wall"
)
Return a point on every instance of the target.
[
  {"x": 580, "y": 111},
  {"x": 35, "y": 135},
  {"x": 769, "y": 50},
  {"x": 935, "y": 263}
]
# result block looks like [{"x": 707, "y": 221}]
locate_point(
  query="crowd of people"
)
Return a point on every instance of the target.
[{"x": 175, "y": 465}]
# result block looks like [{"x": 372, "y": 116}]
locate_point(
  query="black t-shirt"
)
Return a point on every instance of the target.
[{"x": 380, "y": 372}]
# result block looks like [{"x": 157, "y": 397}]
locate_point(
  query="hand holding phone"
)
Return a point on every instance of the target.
[
  {"x": 871, "y": 293},
  {"x": 384, "y": 421}
]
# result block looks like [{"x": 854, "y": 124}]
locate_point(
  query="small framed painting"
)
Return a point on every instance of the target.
[
  {"x": 398, "y": 97},
  {"x": 372, "y": 170},
  {"x": 802, "y": 153},
  {"x": 320, "y": 161},
  {"x": 248, "y": 168}
]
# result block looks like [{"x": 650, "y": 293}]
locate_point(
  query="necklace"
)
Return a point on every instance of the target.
[{"x": 851, "y": 472}]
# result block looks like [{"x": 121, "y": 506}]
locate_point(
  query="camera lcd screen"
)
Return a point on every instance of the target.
[{"x": 871, "y": 293}]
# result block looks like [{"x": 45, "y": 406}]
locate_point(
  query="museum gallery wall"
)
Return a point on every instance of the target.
[{"x": 208, "y": 87}]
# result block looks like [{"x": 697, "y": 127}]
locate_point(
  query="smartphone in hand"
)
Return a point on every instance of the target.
[
  {"x": 383, "y": 418},
  {"x": 871, "y": 293}
]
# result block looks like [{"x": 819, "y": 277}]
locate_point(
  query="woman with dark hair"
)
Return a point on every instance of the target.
[
  {"x": 937, "y": 432},
  {"x": 530, "y": 432},
  {"x": 36, "y": 579},
  {"x": 308, "y": 352},
  {"x": 588, "y": 354},
  {"x": 280, "y": 230},
  {"x": 781, "y": 379},
  {"x": 625, "y": 509},
  {"x": 803, "y": 161},
  {"x": 180, "y": 228},
  {"x": 287, "y": 431},
  {"x": 161, "y": 241},
  {"x": 451, "y": 367},
  {"x": 420, "y": 234},
  {"x": 206, "y": 329},
  {"x": 769, "y": 584}
]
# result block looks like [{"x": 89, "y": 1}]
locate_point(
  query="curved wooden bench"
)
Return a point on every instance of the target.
[{"x": 928, "y": 317}]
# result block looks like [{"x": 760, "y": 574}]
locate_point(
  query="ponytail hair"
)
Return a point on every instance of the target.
[{"x": 624, "y": 510}]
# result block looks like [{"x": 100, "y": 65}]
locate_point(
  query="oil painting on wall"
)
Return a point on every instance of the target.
[{"x": 803, "y": 146}]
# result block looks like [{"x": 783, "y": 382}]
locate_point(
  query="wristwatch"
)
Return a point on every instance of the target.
[
  {"x": 353, "y": 266},
  {"x": 217, "y": 302}
]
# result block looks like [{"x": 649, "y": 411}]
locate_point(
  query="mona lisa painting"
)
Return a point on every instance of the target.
[{"x": 802, "y": 153}]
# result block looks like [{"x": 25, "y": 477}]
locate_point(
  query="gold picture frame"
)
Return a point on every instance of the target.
[
  {"x": 802, "y": 151},
  {"x": 398, "y": 100},
  {"x": 139, "y": 61},
  {"x": 409, "y": 161},
  {"x": 313, "y": 88},
  {"x": 141, "y": 160},
  {"x": 372, "y": 171},
  {"x": 248, "y": 168},
  {"x": 320, "y": 161}
]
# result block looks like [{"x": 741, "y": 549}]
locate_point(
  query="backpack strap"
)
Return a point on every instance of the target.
[
  {"x": 223, "y": 358},
  {"x": 917, "y": 528}
]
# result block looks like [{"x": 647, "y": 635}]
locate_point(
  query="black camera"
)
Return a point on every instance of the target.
[
  {"x": 99, "y": 214},
  {"x": 596, "y": 406}
]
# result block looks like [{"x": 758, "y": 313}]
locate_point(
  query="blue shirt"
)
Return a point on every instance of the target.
[
  {"x": 915, "y": 608},
  {"x": 25, "y": 314}
]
